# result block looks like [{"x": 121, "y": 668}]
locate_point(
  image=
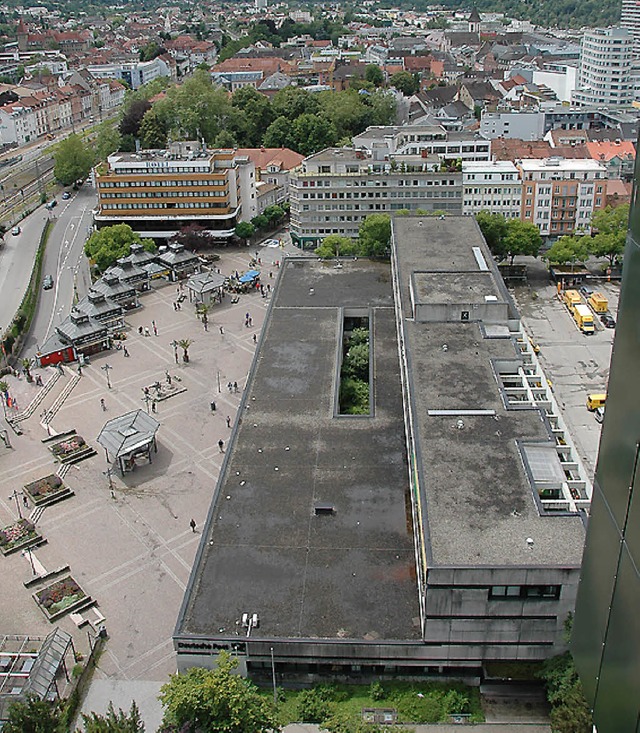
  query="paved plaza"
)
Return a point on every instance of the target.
[{"x": 132, "y": 549}]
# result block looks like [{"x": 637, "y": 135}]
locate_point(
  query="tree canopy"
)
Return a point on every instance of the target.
[
  {"x": 34, "y": 716},
  {"x": 73, "y": 160},
  {"x": 509, "y": 238},
  {"x": 294, "y": 118},
  {"x": 405, "y": 82},
  {"x": 374, "y": 235},
  {"x": 610, "y": 232},
  {"x": 108, "y": 244},
  {"x": 114, "y": 722},
  {"x": 215, "y": 700},
  {"x": 568, "y": 249}
]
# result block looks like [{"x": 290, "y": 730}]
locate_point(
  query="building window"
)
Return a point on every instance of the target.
[{"x": 537, "y": 592}]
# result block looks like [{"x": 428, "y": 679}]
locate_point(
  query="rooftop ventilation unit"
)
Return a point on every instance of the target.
[{"x": 323, "y": 509}]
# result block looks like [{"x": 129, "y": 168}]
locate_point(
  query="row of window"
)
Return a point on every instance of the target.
[
  {"x": 166, "y": 195},
  {"x": 490, "y": 176},
  {"x": 517, "y": 592},
  {"x": 174, "y": 182},
  {"x": 168, "y": 205},
  {"x": 479, "y": 203},
  {"x": 121, "y": 171},
  {"x": 502, "y": 191}
]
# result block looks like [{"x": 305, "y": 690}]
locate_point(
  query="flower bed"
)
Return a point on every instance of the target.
[
  {"x": 46, "y": 489},
  {"x": 60, "y": 597},
  {"x": 72, "y": 449},
  {"x": 17, "y": 536},
  {"x": 68, "y": 447}
]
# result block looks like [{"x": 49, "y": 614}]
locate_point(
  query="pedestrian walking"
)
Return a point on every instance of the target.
[
  {"x": 102, "y": 404},
  {"x": 246, "y": 323},
  {"x": 268, "y": 287},
  {"x": 155, "y": 328},
  {"x": 153, "y": 406},
  {"x": 255, "y": 339},
  {"x": 192, "y": 524},
  {"x": 246, "y": 316},
  {"x": 221, "y": 445},
  {"x": 250, "y": 321},
  {"x": 228, "y": 421},
  {"x": 230, "y": 387},
  {"x": 221, "y": 330},
  {"x": 147, "y": 332},
  {"x": 235, "y": 387},
  {"x": 80, "y": 369},
  {"x": 25, "y": 501},
  {"x": 140, "y": 330},
  {"x": 125, "y": 351},
  {"x": 213, "y": 406}
]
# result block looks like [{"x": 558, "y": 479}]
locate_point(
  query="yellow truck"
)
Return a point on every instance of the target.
[
  {"x": 571, "y": 299},
  {"x": 598, "y": 302},
  {"x": 584, "y": 318},
  {"x": 596, "y": 400}
]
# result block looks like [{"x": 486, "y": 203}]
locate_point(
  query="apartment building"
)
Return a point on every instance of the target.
[
  {"x": 559, "y": 196},
  {"x": 382, "y": 141},
  {"x": 630, "y": 19},
  {"x": 333, "y": 191},
  {"x": 605, "y": 72},
  {"x": 492, "y": 186},
  {"x": 158, "y": 192},
  {"x": 137, "y": 73}
]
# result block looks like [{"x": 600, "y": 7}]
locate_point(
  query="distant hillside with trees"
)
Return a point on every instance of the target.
[{"x": 549, "y": 13}]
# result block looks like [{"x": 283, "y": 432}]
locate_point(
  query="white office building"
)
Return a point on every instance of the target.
[
  {"x": 493, "y": 186},
  {"x": 605, "y": 75},
  {"x": 630, "y": 19}
]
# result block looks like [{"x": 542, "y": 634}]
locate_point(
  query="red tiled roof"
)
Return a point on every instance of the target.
[
  {"x": 607, "y": 151},
  {"x": 263, "y": 157}
]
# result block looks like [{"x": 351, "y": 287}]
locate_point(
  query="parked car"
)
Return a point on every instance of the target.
[
  {"x": 47, "y": 283},
  {"x": 586, "y": 291},
  {"x": 66, "y": 195},
  {"x": 608, "y": 321},
  {"x": 15, "y": 231},
  {"x": 599, "y": 414},
  {"x": 52, "y": 204}
]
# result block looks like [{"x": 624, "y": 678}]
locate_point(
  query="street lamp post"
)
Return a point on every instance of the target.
[
  {"x": 15, "y": 495},
  {"x": 106, "y": 368}
]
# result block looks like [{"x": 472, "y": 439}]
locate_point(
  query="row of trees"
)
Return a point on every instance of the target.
[
  {"x": 374, "y": 237},
  {"x": 294, "y": 118},
  {"x": 270, "y": 218},
  {"x": 508, "y": 238}
]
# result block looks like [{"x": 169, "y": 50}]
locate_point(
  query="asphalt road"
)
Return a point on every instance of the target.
[
  {"x": 16, "y": 261},
  {"x": 65, "y": 262}
]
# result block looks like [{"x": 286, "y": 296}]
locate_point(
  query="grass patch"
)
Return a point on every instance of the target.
[{"x": 415, "y": 702}]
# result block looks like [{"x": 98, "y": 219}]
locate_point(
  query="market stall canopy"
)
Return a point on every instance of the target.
[{"x": 250, "y": 276}]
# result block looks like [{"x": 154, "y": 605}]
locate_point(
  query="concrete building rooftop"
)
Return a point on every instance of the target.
[
  {"x": 480, "y": 507},
  {"x": 345, "y": 574}
]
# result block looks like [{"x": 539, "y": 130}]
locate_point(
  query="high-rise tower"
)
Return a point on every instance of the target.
[{"x": 606, "y": 633}]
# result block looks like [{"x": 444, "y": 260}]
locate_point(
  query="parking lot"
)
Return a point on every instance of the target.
[{"x": 576, "y": 364}]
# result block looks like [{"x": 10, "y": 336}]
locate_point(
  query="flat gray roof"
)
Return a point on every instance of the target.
[
  {"x": 454, "y": 287},
  {"x": 480, "y": 507},
  {"x": 350, "y": 574}
]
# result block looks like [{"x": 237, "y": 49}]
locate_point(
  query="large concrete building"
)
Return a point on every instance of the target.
[
  {"x": 428, "y": 140},
  {"x": 333, "y": 191},
  {"x": 158, "y": 192},
  {"x": 630, "y": 19},
  {"x": 605, "y": 71},
  {"x": 441, "y": 529},
  {"x": 493, "y": 186},
  {"x": 606, "y": 633},
  {"x": 560, "y": 196}
]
